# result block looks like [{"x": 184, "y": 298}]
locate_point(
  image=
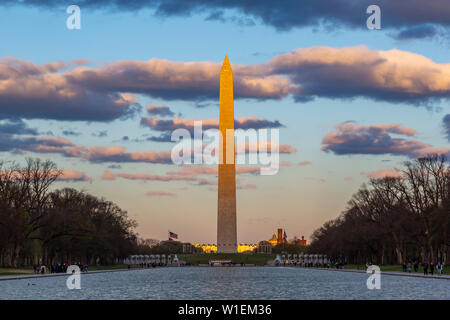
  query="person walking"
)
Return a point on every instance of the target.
[
  {"x": 439, "y": 268},
  {"x": 404, "y": 266},
  {"x": 416, "y": 266},
  {"x": 409, "y": 267},
  {"x": 431, "y": 267},
  {"x": 425, "y": 268}
]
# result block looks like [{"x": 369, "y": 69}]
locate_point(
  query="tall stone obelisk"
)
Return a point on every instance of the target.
[{"x": 226, "y": 209}]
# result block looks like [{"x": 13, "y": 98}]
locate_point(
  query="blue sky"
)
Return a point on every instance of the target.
[{"x": 295, "y": 198}]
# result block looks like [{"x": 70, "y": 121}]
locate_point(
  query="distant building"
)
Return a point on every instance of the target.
[
  {"x": 150, "y": 242},
  {"x": 302, "y": 241},
  {"x": 273, "y": 241},
  {"x": 188, "y": 248},
  {"x": 243, "y": 247},
  {"x": 280, "y": 236},
  {"x": 265, "y": 247},
  {"x": 299, "y": 242},
  {"x": 207, "y": 248},
  {"x": 212, "y": 247}
]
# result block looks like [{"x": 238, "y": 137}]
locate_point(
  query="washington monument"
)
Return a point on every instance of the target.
[{"x": 226, "y": 209}]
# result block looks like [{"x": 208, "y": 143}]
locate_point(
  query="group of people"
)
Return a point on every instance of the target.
[
  {"x": 407, "y": 267},
  {"x": 59, "y": 268}
]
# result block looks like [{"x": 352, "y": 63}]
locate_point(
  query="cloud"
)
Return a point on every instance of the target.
[
  {"x": 64, "y": 147},
  {"x": 163, "y": 137},
  {"x": 73, "y": 176},
  {"x": 446, "y": 124},
  {"x": 203, "y": 170},
  {"x": 100, "y": 134},
  {"x": 106, "y": 93},
  {"x": 249, "y": 122},
  {"x": 206, "y": 182},
  {"x": 161, "y": 110},
  {"x": 417, "y": 32},
  {"x": 160, "y": 193},
  {"x": 189, "y": 174},
  {"x": 283, "y": 15},
  {"x": 16, "y": 126},
  {"x": 392, "y": 75},
  {"x": 291, "y": 164},
  {"x": 71, "y": 133},
  {"x": 383, "y": 174},
  {"x": 247, "y": 186},
  {"x": 107, "y": 175},
  {"x": 433, "y": 151},
  {"x": 115, "y": 166},
  {"x": 13, "y": 143},
  {"x": 117, "y": 154},
  {"x": 352, "y": 138},
  {"x": 45, "y": 92},
  {"x": 195, "y": 81},
  {"x": 70, "y": 175},
  {"x": 99, "y": 154},
  {"x": 166, "y": 126},
  {"x": 285, "y": 148},
  {"x": 268, "y": 146},
  {"x": 316, "y": 179}
]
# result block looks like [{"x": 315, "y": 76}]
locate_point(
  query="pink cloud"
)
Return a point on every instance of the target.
[
  {"x": 246, "y": 186},
  {"x": 252, "y": 147},
  {"x": 107, "y": 175},
  {"x": 383, "y": 174},
  {"x": 203, "y": 170},
  {"x": 116, "y": 154},
  {"x": 160, "y": 193},
  {"x": 73, "y": 175},
  {"x": 316, "y": 179},
  {"x": 391, "y": 75}
]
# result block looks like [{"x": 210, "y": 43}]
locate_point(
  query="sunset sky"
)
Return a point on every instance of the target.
[{"x": 351, "y": 103}]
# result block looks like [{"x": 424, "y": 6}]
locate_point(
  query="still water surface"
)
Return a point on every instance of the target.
[{"x": 226, "y": 283}]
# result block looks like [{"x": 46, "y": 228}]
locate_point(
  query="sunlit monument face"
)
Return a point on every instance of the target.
[{"x": 226, "y": 217}]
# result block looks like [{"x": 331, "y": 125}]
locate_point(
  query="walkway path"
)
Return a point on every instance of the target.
[
  {"x": 46, "y": 275},
  {"x": 389, "y": 273},
  {"x": 393, "y": 273}
]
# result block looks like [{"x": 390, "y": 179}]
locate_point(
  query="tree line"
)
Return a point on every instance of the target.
[
  {"x": 394, "y": 219},
  {"x": 39, "y": 225}
]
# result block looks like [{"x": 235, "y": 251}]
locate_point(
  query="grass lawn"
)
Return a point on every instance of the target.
[
  {"x": 14, "y": 271},
  {"x": 396, "y": 267},
  {"x": 203, "y": 258},
  {"x": 24, "y": 271}
]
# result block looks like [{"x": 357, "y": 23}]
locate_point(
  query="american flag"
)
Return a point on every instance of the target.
[{"x": 173, "y": 235}]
